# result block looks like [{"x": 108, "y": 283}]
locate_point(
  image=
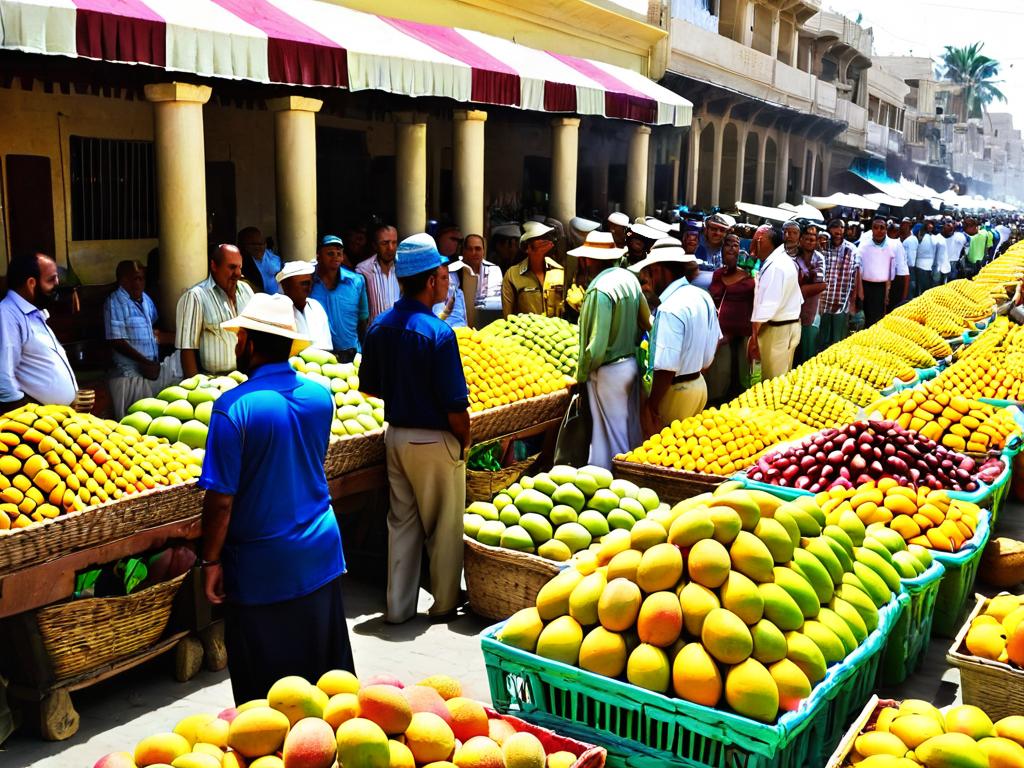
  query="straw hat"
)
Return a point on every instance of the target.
[
  {"x": 667, "y": 254},
  {"x": 269, "y": 314},
  {"x": 598, "y": 245}
]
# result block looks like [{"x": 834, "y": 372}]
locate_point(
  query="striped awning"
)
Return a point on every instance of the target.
[{"x": 314, "y": 43}]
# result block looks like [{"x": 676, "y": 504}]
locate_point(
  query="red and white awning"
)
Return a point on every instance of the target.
[{"x": 309, "y": 42}]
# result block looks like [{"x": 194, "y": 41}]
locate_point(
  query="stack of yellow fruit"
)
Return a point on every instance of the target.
[
  {"x": 846, "y": 385},
  {"x": 878, "y": 368},
  {"x": 922, "y": 516},
  {"x": 717, "y": 441},
  {"x": 1002, "y": 273},
  {"x": 878, "y": 337},
  {"x": 991, "y": 339},
  {"x": 997, "y": 632},
  {"x": 54, "y": 461},
  {"x": 554, "y": 339},
  {"x": 501, "y": 371},
  {"x": 918, "y": 334},
  {"x": 814, "y": 406},
  {"x": 955, "y": 421},
  {"x": 949, "y": 309}
]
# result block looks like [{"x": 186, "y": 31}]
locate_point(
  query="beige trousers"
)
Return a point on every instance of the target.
[
  {"x": 777, "y": 343},
  {"x": 427, "y": 478},
  {"x": 683, "y": 401}
]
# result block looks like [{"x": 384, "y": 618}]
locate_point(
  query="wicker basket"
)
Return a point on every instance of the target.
[
  {"x": 1002, "y": 564},
  {"x": 482, "y": 485},
  {"x": 866, "y": 718},
  {"x": 506, "y": 419},
  {"x": 996, "y": 687},
  {"x": 97, "y": 525},
  {"x": 671, "y": 485},
  {"x": 500, "y": 581},
  {"x": 353, "y": 452},
  {"x": 82, "y": 635}
]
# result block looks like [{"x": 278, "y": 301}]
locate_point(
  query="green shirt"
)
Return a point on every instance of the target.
[
  {"x": 980, "y": 243},
  {"x": 612, "y": 318}
]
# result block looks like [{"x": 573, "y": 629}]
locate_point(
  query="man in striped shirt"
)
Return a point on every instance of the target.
[
  {"x": 382, "y": 289},
  {"x": 842, "y": 286},
  {"x": 205, "y": 346}
]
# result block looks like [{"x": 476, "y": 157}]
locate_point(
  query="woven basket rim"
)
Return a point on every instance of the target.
[
  {"x": 511, "y": 557},
  {"x": 85, "y": 602},
  {"x": 963, "y": 658}
]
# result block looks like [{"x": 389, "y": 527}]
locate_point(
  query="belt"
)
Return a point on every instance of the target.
[
  {"x": 616, "y": 360},
  {"x": 685, "y": 377},
  {"x": 777, "y": 323}
]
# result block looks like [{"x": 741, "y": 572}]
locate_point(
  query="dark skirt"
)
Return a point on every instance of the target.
[{"x": 306, "y": 636}]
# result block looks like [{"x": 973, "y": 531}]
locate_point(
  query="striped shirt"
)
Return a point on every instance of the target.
[
  {"x": 201, "y": 310},
  {"x": 132, "y": 321},
  {"x": 842, "y": 263},
  {"x": 382, "y": 290}
]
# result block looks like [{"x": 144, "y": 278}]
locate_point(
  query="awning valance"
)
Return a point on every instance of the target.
[{"x": 313, "y": 43}]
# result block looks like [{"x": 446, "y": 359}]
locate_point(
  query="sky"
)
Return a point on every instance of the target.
[{"x": 924, "y": 27}]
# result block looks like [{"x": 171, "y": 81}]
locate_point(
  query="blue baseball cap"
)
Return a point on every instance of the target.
[
  {"x": 331, "y": 240},
  {"x": 416, "y": 254}
]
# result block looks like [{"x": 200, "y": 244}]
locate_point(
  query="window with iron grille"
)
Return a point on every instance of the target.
[{"x": 113, "y": 196}]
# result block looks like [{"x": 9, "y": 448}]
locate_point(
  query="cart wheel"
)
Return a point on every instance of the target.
[
  {"x": 188, "y": 658},
  {"x": 213, "y": 646},
  {"x": 58, "y": 719}
]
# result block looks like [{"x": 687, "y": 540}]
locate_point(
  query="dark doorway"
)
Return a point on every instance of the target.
[
  {"x": 221, "y": 210},
  {"x": 30, "y": 200},
  {"x": 349, "y": 186},
  {"x": 536, "y": 183}
]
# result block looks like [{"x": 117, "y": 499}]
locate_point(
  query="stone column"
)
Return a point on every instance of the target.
[
  {"x": 826, "y": 171},
  {"x": 410, "y": 173},
  {"x": 693, "y": 167},
  {"x": 741, "y": 162},
  {"x": 782, "y": 171},
  {"x": 181, "y": 188},
  {"x": 468, "y": 169},
  {"x": 762, "y": 147},
  {"x": 810, "y": 177},
  {"x": 775, "y": 35},
  {"x": 565, "y": 144},
  {"x": 716, "y": 165},
  {"x": 295, "y": 161},
  {"x": 636, "y": 172}
]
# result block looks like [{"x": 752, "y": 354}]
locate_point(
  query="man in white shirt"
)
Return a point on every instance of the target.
[
  {"x": 488, "y": 274},
  {"x": 684, "y": 339},
  {"x": 775, "y": 322},
  {"x": 296, "y": 282},
  {"x": 956, "y": 244},
  {"x": 1004, "y": 236},
  {"x": 878, "y": 259},
  {"x": 931, "y": 250},
  {"x": 910, "y": 244},
  {"x": 382, "y": 289}
]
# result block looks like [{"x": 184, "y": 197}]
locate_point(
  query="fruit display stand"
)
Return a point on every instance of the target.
[
  {"x": 958, "y": 581},
  {"x": 534, "y": 415},
  {"x": 993, "y": 685},
  {"x": 867, "y": 716},
  {"x": 671, "y": 485},
  {"x": 646, "y": 729},
  {"x": 911, "y": 634},
  {"x": 501, "y": 581},
  {"x": 354, "y": 452}
]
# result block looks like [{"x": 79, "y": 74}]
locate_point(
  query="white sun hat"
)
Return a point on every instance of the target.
[{"x": 270, "y": 314}]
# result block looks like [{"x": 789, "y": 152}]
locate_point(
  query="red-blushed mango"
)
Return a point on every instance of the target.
[
  {"x": 116, "y": 760},
  {"x": 429, "y": 738},
  {"x": 258, "y": 731},
  {"x": 187, "y": 726},
  {"x": 660, "y": 568},
  {"x": 337, "y": 681},
  {"x": 362, "y": 742},
  {"x": 386, "y": 706},
  {"x": 624, "y": 565},
  {"x": 648, "y": 667},
  {"x": 160, "y": 748},
  {"x": 660, "y": 620},
  {"x": 726, "y": 637},
  {"x": 384, "y": 679},
  {"x": 619, "y": 605},
  {"x": 214, "y": 731},
  {"x": 196, "y": 760},
  {"x": 342, "y": 707},
  {"x": 479, "y": 752},
  {"x": 401, "y": 757},
  {"x": 295, "y": 697},
  {"x": 498, "y": 730},
  {"x": 708, "y": 563},
  {"x": 752, "y": 692},
  {"x": 792, "y": 683},
  {"x": 448, "y": 687},
  {"x": 425, "y": 699},
  {"x": 310, "y": 743},
  {"x": 561, "y": 640},
  {"x": 603, "y": 652},
  {"x": 468, "y": 718},
  {"x": 969, "y": 719},
  {"x": 696, "y": 602},
  {"x": 523, "y": 750},
  {"x": 695, "y": 676}
]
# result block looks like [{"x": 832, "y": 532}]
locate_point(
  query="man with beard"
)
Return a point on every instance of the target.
[
  {"x": 33, "y": 364},
  {"x": 716, "y": 227},
  {"x": 205, "y": 345},
  {"x": 271, "y": 549}
]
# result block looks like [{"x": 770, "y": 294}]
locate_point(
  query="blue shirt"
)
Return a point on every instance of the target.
[
  {"x": 266, "y": 447},
  {"x": 346, "y": 307},
  {"x": 412, "y": 361},
  {"x": 133, "y": 321},
  {"x": 457, "y": 317},
  {"x": 32, "y": 362},
  {"x": 269, "y": 266}
]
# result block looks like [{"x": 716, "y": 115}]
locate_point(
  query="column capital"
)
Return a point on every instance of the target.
[
  {"x": 642, "y": 129},
  {"x": 567, "y": 122},
  {"x": 409, "y": 118},
  {"x": 159, "y": 92},
  {"x": 470, "y": 114},
  {"x": 294, "y": 104}
]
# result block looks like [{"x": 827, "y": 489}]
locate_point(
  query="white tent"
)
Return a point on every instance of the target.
[
  {"x": 765, "y": 212},
  {"x": 841, "y": 200},
  {"x": 803, "y": 210}
]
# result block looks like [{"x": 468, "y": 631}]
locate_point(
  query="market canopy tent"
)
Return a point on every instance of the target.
[
  {"x": 803, "y": 211},
  {"x": 306, "y": 42},
  {"x": 765, "y": 212},
  {"x": 841, "y": 200}
]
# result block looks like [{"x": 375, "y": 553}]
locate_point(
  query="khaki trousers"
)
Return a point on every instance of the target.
[
  {"x": 777, "y": 344},
  {"x": 683, "y": 400},
  {"x": 427, "y": 479}
]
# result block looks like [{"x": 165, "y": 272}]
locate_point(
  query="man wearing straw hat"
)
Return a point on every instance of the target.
[
  {"x": 271, "y": 549},
  {"x": 411, "y": 360},
  {"x": 537, "y": 283},
  {"x": 612, "y": 318},
  {"x": 683, "y": 342}
]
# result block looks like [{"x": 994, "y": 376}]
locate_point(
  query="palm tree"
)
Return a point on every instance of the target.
[{"x": 977, "y": 73}]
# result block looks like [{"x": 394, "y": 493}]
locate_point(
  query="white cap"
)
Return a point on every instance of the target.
[
  {"x": 618, "y": 218},
  {"x": 294, "y": 269}
]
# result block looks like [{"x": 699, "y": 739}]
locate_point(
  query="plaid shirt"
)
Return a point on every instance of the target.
[{"x": 842, "y": 264}]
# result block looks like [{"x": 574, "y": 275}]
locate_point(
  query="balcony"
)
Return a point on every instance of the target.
[
  {"x": 882, "y": 140},
  {"x": 854, "y": 115},
  {"x": 825, "y": 98},
  {"x": 829, "y": 25}
]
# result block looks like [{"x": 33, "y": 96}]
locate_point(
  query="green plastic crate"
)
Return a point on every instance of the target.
[
  {"x": 782, "y": 492},
  {"x": 957, "y": 584},
  {"x": 912, "y": 632},
  {"x": 642, "y": 729},
  {"x": 987, "y": 495}
]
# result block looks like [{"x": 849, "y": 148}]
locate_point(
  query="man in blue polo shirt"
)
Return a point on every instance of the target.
[
  {"x": 271, "y": 550},
  {"x": 342, "y": 293},
  {"x": 411, "y": 360}
]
